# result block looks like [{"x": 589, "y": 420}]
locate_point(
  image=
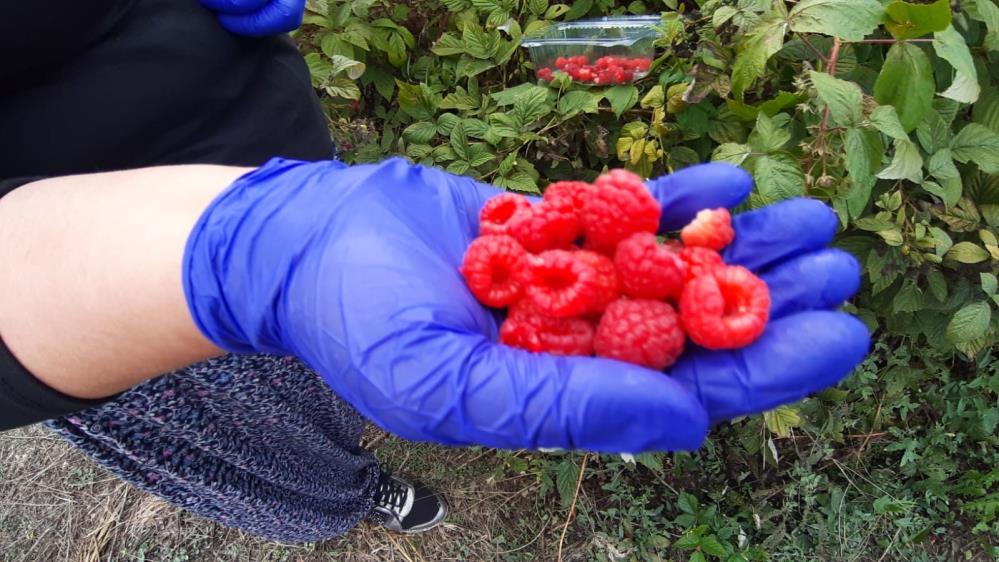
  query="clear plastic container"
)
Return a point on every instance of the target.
[{"x": 608, "y": 51}]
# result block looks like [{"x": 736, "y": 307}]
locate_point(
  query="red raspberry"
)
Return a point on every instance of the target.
[
  {"x": 569, "y": 193},
  {"x": 649, "y": 270},
  {"x": 711, "y": 228},
  {"x": 560, "y": 63},
  {"x": 545, "y": 74},
  {"x": 608, "y": 287},
  {"x": 619, "y": 206},
  {"x": 492, "y": 267},
  {"x": 700, "y": 261},
  {"x": 545, "y": 226},
  {"x": 561, "y": 283},
  {"x": 584, "y": 74},
  {"x": 581, "y": 60},
  {"x": 497, "y": 211},
  {"x": 644, "y": 332},
  {"x": 725, "y": 310},
  {"x": 528, "y": 329}
]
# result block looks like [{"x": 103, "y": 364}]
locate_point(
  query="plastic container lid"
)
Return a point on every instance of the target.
[{"x": 607, "y": 32}]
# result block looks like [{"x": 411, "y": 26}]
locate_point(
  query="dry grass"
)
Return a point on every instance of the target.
[{"x": 57, "y": 505}]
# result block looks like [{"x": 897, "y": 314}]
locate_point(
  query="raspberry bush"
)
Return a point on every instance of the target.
[{"x": 886, "y": 109}]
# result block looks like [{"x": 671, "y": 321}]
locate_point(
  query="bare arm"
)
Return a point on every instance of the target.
[{"x": 91, "y": 300}]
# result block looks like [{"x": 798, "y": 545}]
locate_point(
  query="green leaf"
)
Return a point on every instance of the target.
[
  {"x": 510, "y": 95},
  {"x": 578, "y": 10},
  {"x": 459, "y": 141},
  {"x": 979, "y": 145},
  {"x": 460, "y": 99},
  {"x": 767, "y": 136},
  {"x": 934, "y": 133},
  {"x": 479, "y": 43},
  {"x": 908, "y": 21},
  {"x": 420, "y": 132},
  {"x": 446, "y": 123},
  {"x": 732, "y": 153},
  {"x": 967, "y": 252},
  {"x": 578, "y": 101},
  {"x": 969, "y": 323},
  {"x": 863, "y": 156},
  {"x": 418, "y": 101},
  {"x": 937, "y": 284},
  {"x": 711, "y": 545},
  {"x": 755, "y": 50},
  {"x": 885, "y": 119},
  {"x": 469, "y": 66},
  {"x": 986, "y": 111},
  {"x": 906, "y": 164},
  {"x": 906, "y": 83},
  {"x": 941, "y": 166},
  {"x": 988, "y": 12},
  {"x": 478, "y": 154},
  {"x": 532, "y": 105},
  {"x": 566, "y": 475},
  {"x": 844, "y": 99},
  {"x": 950, "y": 46},
  {"x": 621, "y": 98},
  {"x": 850, "y": 20},
  {"x": 696, "y": 556},
  {"x": 688, "y": 541},
  {"x": 908, "y": 299},
  {"x": 778, "y": 176},
  {"x": 448, "y": 44},
  {"x": 989, "y": 282},
  {"x": 537, "y": 7},
  {"x": 342, "y": 87},
  {"x": 782, "y": 420},
  {"x": 383, "y": 81}
]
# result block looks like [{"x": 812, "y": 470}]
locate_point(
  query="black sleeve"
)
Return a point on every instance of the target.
[{"x": 23, "y": 398}]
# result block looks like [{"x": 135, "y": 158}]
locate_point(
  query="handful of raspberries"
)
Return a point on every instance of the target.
[{"x": 618, "y": 294}]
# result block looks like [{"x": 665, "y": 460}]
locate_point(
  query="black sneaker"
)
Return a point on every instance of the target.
[{"x": 407, "y": 507}]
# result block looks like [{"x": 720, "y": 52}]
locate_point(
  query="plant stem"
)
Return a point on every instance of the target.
[
  {"x": 831, "y": 70},
  {"x": 817, "y": 52}
]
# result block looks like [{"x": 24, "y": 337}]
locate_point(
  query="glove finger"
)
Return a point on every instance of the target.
[
  {"x": 704, "y": 186},
  {"x": 796, "y": 356},
  {"x": 766, "y": 236},
  {"x": 234, "y": 6},
  {"x": 460, "y": 388},
  {"x": 822, "y": 279},
  {"x": 278, "y": 16}
]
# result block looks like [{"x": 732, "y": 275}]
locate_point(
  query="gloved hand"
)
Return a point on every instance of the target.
[
  {"x": 355, "y": 271},
  {"x": 258, "y": 18}
]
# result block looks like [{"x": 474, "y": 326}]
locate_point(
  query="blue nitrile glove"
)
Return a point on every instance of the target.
[
  {"x": 258, "y": 18},
  {"x": 355, "y": 271}
]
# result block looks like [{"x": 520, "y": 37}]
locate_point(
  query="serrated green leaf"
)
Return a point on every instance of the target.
[
  {"x": 383, "y": 81},
  {"x": 469, "y": 66},
  {"x": 941, "y": 166},
  {"x": 448, "y": 44},
  {"x": 566, "y": 475},
  {"x": 478, "y": 154},
  {"x": 688, "y": 541},
  {"x": 908, "y": 299},
  {"x": 652, "y": 461},
  {"x": 420, "y": 132},
  {"x": 782, "y": 419},
  {"x": 755, "y": 50},
  {"x": 711, "y": 545},
  {"x": 885, "y": 119},
  {"x": 537, "y": 7},
  {"x": 578, "y": 101},
  {"x": 906, "y": 164},
  {"x": 906, "y": 83},
  {"x": 950, "y": 46},
  {"x": 989, "y": 282},
  {"x": 986, "y": 110},
  {"x": 844, "y": 99},
  {"x": 979, "y": 145},
  {"x": 969, "y": 323},
  {"x": 988, "y": 12},
  {"x": 864, "y": 149},
  {"x": 621, "y": 98},
  {"x": 343, "y": 87},
  {"x": 479, "y": 43},
  {"x": 850, "y": 20},
  {"x": 933, "y": 133},
  {"x": 655, "y": 97},
  {"x": 459, "y": 142},
  {"x": 419, "y": 151},
  {"x": 768, "y": 135},
  {"x": 908, "y": 20},
  {"x": 458, "y": 167},
  {"x": 967, "y": 252},
  {"x": 732, "y": 153},
  {"x": 418, "y": 101},
  {"x": 937, "y": 284},
  {"x": 461, "y": 100},
  {"x": 778, "y": 176}
]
